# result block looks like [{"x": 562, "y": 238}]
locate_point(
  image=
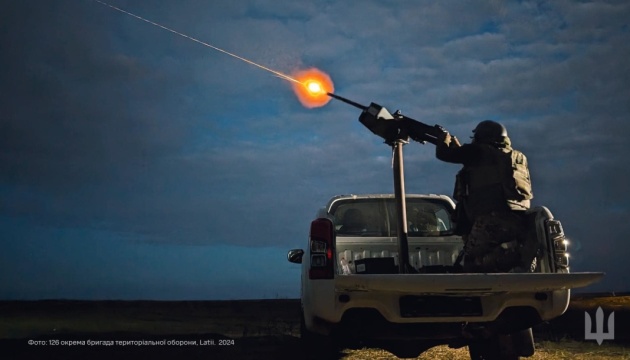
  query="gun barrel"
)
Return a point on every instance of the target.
[{"x": 347, "y": 101}]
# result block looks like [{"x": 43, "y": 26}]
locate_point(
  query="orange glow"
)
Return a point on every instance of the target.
[{"x": 313, "y": 87}]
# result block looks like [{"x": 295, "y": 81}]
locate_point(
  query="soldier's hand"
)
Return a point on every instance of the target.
[
  {"x": 445, "y": 137},
  {"x": 454, "y": 142}
]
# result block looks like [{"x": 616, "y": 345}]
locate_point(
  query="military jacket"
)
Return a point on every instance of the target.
[{"x": 493, "y": 178}]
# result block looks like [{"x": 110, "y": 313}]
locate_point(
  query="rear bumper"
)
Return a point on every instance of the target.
[
  {"x": 370, "y": 324},
  {"x": 379, "y": 316},
  {"x": 450, "y": 299}
]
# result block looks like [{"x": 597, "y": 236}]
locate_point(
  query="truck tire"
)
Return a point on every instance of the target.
[
  {"x": 523, "y": 342},
  {"x": 508, "y": 347},
  {"x": 317, "y": 346},
  {"x": 405, "y": 349},
  {"x": 490, "y": 349}
]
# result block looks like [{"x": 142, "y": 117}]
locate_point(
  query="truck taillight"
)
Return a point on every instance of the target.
[
  {"x": 560, "y": 243},
  {"x": 321, "y": 249}
]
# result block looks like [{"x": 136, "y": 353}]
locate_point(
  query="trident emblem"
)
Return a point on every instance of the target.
[{"x": 599, "y": 333}]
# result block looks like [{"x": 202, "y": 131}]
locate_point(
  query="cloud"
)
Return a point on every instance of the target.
[{"x": 110, "y": 123}]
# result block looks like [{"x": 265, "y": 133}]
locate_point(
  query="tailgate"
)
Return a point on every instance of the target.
[{"x": 470, "y": 284}]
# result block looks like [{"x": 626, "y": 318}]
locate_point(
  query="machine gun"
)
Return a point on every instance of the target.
[
  {"x": 396, "y": 130},
  {"x": 393, "y": 127}
]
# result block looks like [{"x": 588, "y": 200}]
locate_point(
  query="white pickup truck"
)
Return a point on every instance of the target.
[{"x": 352, "y": 291}]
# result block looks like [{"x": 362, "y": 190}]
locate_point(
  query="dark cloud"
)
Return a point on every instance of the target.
[{"x": 111, "y": 124}]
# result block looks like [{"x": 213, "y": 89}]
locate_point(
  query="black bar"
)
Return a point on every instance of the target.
[{"x": 340, "y": 98}]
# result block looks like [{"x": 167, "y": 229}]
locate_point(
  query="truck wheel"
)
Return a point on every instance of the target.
[
  {"x": 491, "y": 349},
  {"x": 510, "y": 346},
  {"x": 484, "y": 350},
  {"x": 523, "y": 342},
  {"x": 317, "y": 346},
  {"x": 405, "y": 349}
]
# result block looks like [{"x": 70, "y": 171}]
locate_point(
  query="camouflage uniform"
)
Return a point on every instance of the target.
[
  {"x": 492, "y": 194},
  {"x": 498, "y": 242}
]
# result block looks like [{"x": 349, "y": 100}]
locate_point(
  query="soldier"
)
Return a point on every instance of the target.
[{"x": 493, "y": 190}]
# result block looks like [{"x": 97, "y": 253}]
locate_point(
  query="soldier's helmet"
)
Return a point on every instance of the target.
[{"x": 489, "y": 131}]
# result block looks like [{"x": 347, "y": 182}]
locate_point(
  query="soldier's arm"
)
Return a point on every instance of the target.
[{"x": 450, "y": 150}]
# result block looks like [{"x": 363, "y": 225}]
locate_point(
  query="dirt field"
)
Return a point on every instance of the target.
[{"x": 262, "y": 329}]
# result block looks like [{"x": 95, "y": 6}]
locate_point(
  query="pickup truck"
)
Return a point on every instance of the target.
[{"x": 352, "y": 291}]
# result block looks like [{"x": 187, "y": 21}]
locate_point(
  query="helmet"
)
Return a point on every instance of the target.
[{"x": 489, "y": 131}]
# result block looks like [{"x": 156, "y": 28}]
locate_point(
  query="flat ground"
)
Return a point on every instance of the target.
[{"x": 243, "y": 329}]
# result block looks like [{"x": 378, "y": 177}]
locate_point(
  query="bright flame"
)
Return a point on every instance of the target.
[{"x": 313, "y": 87}]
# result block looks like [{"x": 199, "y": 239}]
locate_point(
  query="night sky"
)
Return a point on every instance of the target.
[{"x": 137, "y": 164}]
